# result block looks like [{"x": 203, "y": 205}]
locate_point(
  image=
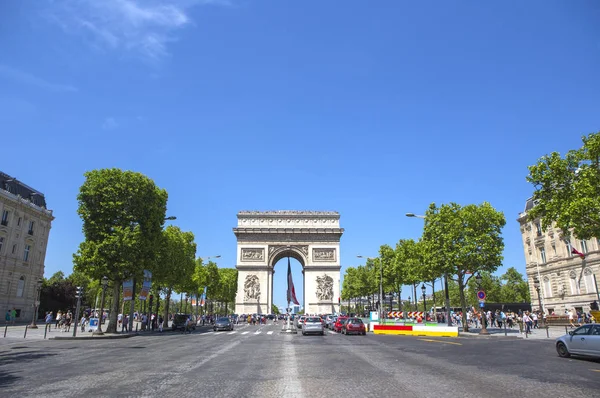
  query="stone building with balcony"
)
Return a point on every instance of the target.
[
  {"x": 566, "y": 280},
  {"x": 24, "y": 229}
]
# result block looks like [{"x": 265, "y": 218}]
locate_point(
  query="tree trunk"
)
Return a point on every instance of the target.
[
  {"x": 114, "y": 309},
  {"x": 166, "y": 313},
  {"x": 463, "y": 302}
]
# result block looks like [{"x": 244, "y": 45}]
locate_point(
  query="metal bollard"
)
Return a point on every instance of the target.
[
  {"x": 25, "y": 335},
  {"x": 45, "y": 331},
  {"x": 136, "y": 327},
  {"x": 566, "y": 331},
  {"x": 5, "y": 327},
  {"x": 505, "y": 331},
  {"x": 547, "y": 333}
]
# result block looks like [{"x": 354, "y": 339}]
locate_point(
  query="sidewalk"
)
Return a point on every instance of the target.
[
  {"x": 17, "y": 332},
  {"x": 552, "y": 333}
]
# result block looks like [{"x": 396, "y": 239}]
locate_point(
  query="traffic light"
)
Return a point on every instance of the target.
[
  {"x": 594, "y": 306},
  {"x": 78, "y": 292}
]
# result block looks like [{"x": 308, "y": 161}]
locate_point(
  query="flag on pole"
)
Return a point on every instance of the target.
[
  {"x": 291, "y": 292},
  {"x": 575, "y": 251},
  {"x": 203, "y": 298}
]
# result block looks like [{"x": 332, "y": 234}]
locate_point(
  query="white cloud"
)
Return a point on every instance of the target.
[
  {"x": 110, "y": 123},
  {"x": 143, "y": 27},
  {"x": 27, "y": 78}
]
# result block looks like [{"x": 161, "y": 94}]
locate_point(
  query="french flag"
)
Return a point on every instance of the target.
[{"x": 291, "y": 292}]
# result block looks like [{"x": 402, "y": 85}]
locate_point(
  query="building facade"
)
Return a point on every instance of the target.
[
  {"x": 24, "y": 229},
  {"x": 566, "y": 280}
]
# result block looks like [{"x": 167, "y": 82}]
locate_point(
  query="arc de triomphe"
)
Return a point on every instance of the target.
[{"x": 264, "y": 238}]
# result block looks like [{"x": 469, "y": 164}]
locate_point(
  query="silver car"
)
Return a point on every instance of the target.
[
  {"x": 312, "y": 324},
  {"x": 223, "y": 324},
  {"x": 584, "y": 340},
  {"x": 299, "y": 321}
]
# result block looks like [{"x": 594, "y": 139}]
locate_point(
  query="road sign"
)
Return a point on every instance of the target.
[
  {"x": 481, "y": 304},
  {"x": 481, "y": 295}
]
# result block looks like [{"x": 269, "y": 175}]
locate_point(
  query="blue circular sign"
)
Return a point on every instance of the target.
[{"x": 481, "y": 295}]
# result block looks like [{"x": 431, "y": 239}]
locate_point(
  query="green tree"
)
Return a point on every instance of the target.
[
  {"x": 228, "y": 278},
  {"x": 464, "y": 240},
  {"x": 274, "y": 309},
  {"x": 567, "y": 189},
  {"x": 515, "y": 289},
  {"x": 123, "y": 213},
  {"x": 175, "y": 267}
]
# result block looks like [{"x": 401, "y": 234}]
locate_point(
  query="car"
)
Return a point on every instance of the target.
[
  {"x": 312, "y": 324},
  {"x": 179, "y": 322},
  {"x": 585, "y": 341},
  {"x": 223, "y": 324},
  {"x": 354, "y": 325},
  {"x": 339, "y": 322},
  {"x": 299, "y": 320}
]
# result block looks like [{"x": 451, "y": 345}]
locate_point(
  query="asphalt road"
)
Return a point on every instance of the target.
[{"x": 252, "y": 362}]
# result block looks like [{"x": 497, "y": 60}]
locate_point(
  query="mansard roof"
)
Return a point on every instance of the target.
[{"x": 16, "y": 187}]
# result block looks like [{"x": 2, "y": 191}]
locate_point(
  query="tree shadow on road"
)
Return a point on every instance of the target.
[{"x": 6, "y": 377}]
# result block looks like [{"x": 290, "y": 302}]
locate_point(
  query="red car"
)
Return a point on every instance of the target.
[
  {"x": 354, "y": 325},
  {"x": 339, "y": 323}
]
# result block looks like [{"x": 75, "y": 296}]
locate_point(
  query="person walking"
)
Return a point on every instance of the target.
[{"x": 528, "y": 322}]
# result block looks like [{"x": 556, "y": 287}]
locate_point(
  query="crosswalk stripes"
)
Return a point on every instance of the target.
[
  {"x": 270, "y": 332},
  {"x": 258, "y": 332},
  {"x": 234, "y": 332},
  {"x": 245, "y": 332}
]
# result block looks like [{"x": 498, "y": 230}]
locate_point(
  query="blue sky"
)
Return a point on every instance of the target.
[{"x": 372, "y": 109}]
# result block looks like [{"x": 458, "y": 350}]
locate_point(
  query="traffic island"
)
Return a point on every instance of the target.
[{"x": 416, "y": 330}]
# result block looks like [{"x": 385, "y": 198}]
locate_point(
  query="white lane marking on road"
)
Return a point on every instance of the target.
[
  {"x": 245, "y": 332},
  {"x": 331, "y": 332},
  {"x": 270, "y": 332},
  {"x": 234, "y": 332},
  {"x": 292, "y": 387},
  {"x": 258, "y": 332}
]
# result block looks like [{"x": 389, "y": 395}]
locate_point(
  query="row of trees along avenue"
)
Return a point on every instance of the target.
[
  {"x": 459, "y": 241},
  {"x": 123, "y": 215}
]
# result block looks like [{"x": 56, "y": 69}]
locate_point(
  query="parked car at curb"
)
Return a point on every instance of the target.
[
  {"x": 312, "y": 324},
  {"x": 354, "y": 326},
  {"x": 585, "y": 341},
  {"x": 223, "y": 324}
]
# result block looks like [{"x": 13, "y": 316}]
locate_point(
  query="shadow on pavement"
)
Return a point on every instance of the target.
[{"x": 6, "y": 377}]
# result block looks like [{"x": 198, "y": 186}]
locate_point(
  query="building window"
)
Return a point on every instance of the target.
[
  {"x": 14, "y": 249},
  {"x": 543, "y": 255},
  {"x": 547, "y": 287},
  {"x": 21, "y": 287},
  {"x": 4, "y": 218},
  {"x": 588, "y": 278},
  {"x": 31, "y": 224},
  {"x": 26, "y": 253},
  {"x": 554, "y": 249},
  {"x": 584, "y": 248},
  {"x": 19, "y": 222},
  {"x": 538, "y": 228},
  {"x": 569, "y": 248},
  {"x": 1, "y": 243},
  {"x": 574, "y": 283}
]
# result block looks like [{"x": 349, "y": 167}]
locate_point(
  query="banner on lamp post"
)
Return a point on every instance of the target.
[
  {"x": 128, "y": 290},
  {"x": 146, "y": 285}
]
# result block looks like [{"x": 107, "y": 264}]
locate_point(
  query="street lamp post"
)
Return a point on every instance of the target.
[
  {"x": 483, "y": 330},
  {"x": 38, "y": 289},
  {"x": 380, "y": 286},
  {"x": 78, "y": 295},
  {"x": 448, "y": 318},
  {"x": 424, "y": 305},
  {"x": 104, "y": 286},
  {"x": 536, "y": 285}
]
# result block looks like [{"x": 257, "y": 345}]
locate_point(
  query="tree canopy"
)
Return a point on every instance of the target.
[
  {"x": 123, "y": 213},
  {"x": 567, "y": 189}
]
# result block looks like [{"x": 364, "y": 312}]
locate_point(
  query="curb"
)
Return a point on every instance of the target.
[{"x": 104, "y": 337}]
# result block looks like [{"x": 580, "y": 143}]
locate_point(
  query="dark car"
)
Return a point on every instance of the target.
[
  {"x": 223, "y": 324},
  {"x": 179, "y": 322}
]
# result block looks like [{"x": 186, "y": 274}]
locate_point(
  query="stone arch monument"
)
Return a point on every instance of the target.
[{"x": 264, "y": 238}]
